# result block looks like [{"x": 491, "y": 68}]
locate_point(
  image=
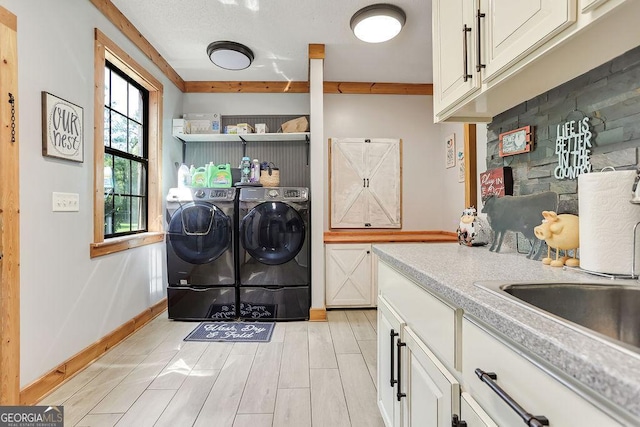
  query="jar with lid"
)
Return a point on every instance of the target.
[{"x": 245, "y": 170}]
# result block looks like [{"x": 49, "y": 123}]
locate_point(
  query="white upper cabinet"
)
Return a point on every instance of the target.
[
  {"x": 516, "y": 27},
  {"x": 365, "y": 183},
  {"x": 455, "y": 39},
  {"x": 491, "y": 55}
]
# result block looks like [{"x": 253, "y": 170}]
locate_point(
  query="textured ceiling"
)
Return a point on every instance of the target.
[{"x": 279, "y": 33}]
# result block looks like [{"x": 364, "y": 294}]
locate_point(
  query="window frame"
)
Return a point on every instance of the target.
[
  {"x": 143, "y": 159},
  {"x": 107, "y": 50}
]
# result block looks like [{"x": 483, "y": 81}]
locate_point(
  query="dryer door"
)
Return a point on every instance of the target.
[
  {"x": 199, "y": 232},
  {"x": 273, "y": 233}
]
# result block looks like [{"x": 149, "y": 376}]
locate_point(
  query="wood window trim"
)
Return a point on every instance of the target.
[{"x": 104, "y": 50}]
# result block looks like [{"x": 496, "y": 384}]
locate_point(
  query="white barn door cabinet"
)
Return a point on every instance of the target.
[{"x": 365, "y": 182}]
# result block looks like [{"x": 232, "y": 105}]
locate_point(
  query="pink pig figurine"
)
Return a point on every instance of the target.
[{"x": 560, "y": 232}]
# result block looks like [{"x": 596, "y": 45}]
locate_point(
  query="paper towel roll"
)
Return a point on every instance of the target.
[{"x": 607, "y": 219}]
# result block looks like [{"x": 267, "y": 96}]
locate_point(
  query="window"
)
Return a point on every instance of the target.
[
  {"x": 127, "y": 148},
  {"x": 125, "y": 154}
]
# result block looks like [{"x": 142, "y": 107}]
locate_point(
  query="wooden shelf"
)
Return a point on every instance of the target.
[
  {"x": 231, "y": 137},
  {"x": 377, "y": 236}
]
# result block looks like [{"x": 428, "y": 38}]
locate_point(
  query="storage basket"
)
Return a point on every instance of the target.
[{"x": 270, "y": 176}]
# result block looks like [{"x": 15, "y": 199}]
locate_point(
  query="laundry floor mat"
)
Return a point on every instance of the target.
[{"x": 232, "y": 332}]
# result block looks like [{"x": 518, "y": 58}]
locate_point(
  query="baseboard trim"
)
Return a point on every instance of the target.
[
  {"x": 318, "y": 314},
  {"x": 35, "y": 391}
]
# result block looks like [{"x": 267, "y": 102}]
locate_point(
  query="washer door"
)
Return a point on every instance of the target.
[
  {"x": 199, "y": 232},
  {"x": 272, "y": 232}
]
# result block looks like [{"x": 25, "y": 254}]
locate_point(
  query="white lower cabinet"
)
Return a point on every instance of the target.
[
  {"x": 534, "y": 390},
  {"x": 429, "y": 393},
  {"x": 471, "y": 414},
  {"x": 390, "y": 328},
  {"x": 428, "y": 359},
  {"x": 349, "y": 275},
  {"x": 414, "y": 387}
]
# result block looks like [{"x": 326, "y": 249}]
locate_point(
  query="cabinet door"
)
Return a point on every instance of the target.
[
  {"x": 390, "y": 327},
  {"x": 516, "y": 27},
  {"x": 383, "y": 183},
  {"x": 365, "y": 183},
  {"x": 472, "y": 413},
  {"x": 432, "y": 392},
  {"x": 348, "y": 275},
  {"x": 454, "y": 52}
]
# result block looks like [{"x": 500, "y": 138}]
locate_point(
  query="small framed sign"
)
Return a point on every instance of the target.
[
  {"x": 62, "y": 129},
  {"x": 516, "y": 141},
  {"x": 450, "y": 153}
]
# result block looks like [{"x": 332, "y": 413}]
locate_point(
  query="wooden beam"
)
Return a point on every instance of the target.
[
  {"x": 9, "y": 212},
  {"x": 45, "y": 384},
  {"x": 470, "y": 170},
  {"x": 113, "y": 14},
  {"x": 245, "y": 87},
  {"x": 316, "y": 51},
  {"x": 371, "y": 88},
  {"x": 358, "y": 88}
]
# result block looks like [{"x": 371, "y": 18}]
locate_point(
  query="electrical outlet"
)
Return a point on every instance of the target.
[{"x": 66, "y": 202}]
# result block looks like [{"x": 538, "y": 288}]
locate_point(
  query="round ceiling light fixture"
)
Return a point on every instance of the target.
[
  {"x": 378, "y": 23},
  {"x": 230, "y": 55}
]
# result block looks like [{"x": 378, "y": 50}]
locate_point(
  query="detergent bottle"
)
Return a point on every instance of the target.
[
  {"x": 222, "y": 176},
  {"x": 184, "y": 176},
  {"x": 199, "y": 178},
  {"x": 211, "y": 172}
]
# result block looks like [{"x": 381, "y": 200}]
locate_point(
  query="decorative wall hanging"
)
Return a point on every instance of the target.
[
  {"x": 461, "y": 166},
  {"x": 62, "y": 129},
  {"x": 573, "y": 143},
  {"x": 516, "y": 141},
  {"x": 497, "y": 182},
  {"x": 451, "y": 151}
]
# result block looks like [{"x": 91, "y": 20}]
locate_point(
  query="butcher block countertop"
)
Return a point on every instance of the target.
[
  {"x": 609, "y": 373},
  {"x": 389, "y": 236}
]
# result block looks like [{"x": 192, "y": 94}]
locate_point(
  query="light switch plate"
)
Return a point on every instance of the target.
[{"x": 66, "y": 202}]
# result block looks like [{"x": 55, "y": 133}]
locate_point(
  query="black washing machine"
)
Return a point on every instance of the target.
[
  {"x": 201, "y": 251},
  {"x": 274, "y": 262}
]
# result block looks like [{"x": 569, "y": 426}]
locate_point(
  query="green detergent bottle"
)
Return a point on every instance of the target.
[
  {"x": 199, "y": 178},
  {"x": 221, "y": 176}
]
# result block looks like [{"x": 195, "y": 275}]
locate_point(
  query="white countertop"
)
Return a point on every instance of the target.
[{"x": 450, "y": 270}]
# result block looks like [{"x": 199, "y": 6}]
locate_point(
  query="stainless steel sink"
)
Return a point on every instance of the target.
[{"x": 610, "y": 310}]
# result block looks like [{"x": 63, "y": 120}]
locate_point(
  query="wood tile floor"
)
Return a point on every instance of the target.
[{"x": 309, "y": 374}]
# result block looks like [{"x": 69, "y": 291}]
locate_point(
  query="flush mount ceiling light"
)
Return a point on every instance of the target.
[
  {"x": 230, "y": 55},
  {"x": 378, "y": 23}
]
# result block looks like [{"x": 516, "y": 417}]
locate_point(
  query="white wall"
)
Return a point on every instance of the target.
[
  {"x": 68, "y": 301},
  {"x": 228, "y": 104},
  {"x": 430, "y": 193}
]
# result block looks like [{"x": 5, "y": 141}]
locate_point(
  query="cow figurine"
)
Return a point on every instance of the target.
[
  {"x": 518, "y": 214},
  {"x": 472, "y": 231},
  {"x": 560, "y": 232}
]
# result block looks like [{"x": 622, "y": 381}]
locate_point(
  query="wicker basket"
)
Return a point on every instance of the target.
[{"x": 270, "y": 177}]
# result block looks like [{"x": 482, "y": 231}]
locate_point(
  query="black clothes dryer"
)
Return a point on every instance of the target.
[
  {"x": 201, "y": 253},
  {"x": 274, "y": 256}
]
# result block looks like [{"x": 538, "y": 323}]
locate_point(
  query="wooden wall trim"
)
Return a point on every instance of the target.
[
  {"x": 8, "y": 19},
  {"x": 245, "y": 87},
  {"x": 35, "y": 391},
  {"x": 316, "y": 51},
  {"x": 317, "y": 314},
  {"x": 345, "y": 88},
  {"x": 9, "y": 214},
  {"x": 371, "y": 88},
  {"x": 117, "y": 18},
  {"x": 470, "y": 171}
]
